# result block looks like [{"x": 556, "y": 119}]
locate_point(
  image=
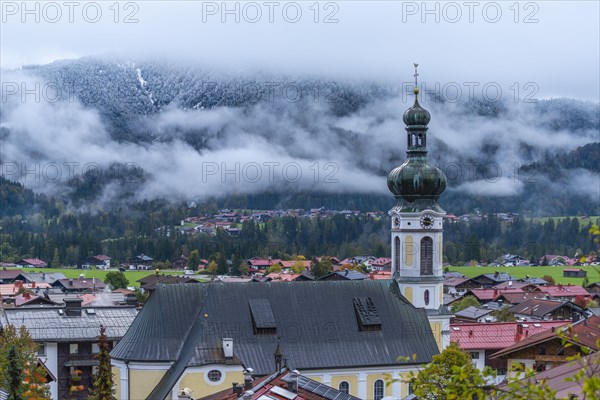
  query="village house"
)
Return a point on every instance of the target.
[
  {"x": 474, "y": 315},
  {"x": 546, "y": 350},
  {"x": 67, "y": 339},
  {"x": 100, "y": 261},
  {"x": 574, "y": 273},
  {"x": 80, "y": 285},
  {"x": 141, "y": 261},
  {"x": 545, "y": 310},
  {"x": 484, "y": 340},
  {"x": 31, "y": 263}
]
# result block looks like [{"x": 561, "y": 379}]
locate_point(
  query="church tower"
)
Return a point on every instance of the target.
[{"x": 417, "y": 224}]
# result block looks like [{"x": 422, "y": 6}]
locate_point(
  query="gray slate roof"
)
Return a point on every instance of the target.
[
  {"x": 472, "y": 312},
  {"x": 48, "y": 325},
  {"x": 315, "y": 322}
]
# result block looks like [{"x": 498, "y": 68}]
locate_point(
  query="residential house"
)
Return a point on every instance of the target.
[
  {"x": 141, "y": 261},
  {"x": 67, "y": 339},
  {"x": 149, "y": 283},
  {"x": 574, "y": 273},
  {"x": 563, "y": 292},
  {"x": 593, "y": 288},
  {"x": 514, "y": 298},
  {"x": 209, "y": 333},
  {"x": 452, "y": 285},
  {"x": 474, "y": 315},
  {"x": 100, "y": 261},
  {"x": 261, "y": 264},
  {"x": 486, "y": 295},
  {"x": 565, "y": 379},
  {"x": 484, "y": 340},
  {"x": 344, "y": 275},
  {"x": 545, "y": 310},
  {"x": 286, "y": 384},
  {"x": 489, "y": 280},
  {"x": 546, "y": 350},
  {"x": 45, "y": 277},
  {"x": 381, "y": 264},
  {"x": 80, "y": 285},
  {"x": 12, "y": 275},
  {"x": 31, "y": 263},
  {"x": 180, "y": 262}
]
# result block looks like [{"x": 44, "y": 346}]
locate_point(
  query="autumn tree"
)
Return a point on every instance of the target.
[
  {"x": 321, "y": 268},
  {"x": 436, "y": 381},
  {"x": 20, "y": 374},
  {"x": 102, "y": 388},
  {"x": 549, "y": 279}
]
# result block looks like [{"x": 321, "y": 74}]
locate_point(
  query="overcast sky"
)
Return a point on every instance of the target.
[{"x": 542, "y": 48}]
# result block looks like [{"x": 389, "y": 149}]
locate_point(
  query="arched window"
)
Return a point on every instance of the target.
[
  {"x": 426, "y": 256},
  {"x": 397, "y": 253},
  {"x": 378, "y": 389},
  {"x": 426, "y": 297},
  {"x": 344, "y": 387}
]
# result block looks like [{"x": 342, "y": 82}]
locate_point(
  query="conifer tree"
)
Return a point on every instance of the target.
[{"x": 102, "y": 388}]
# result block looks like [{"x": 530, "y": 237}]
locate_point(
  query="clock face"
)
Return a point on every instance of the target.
[{"x": 427, "y": 221}]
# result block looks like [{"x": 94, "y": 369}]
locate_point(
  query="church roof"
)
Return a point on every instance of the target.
[{"x": 325, "y": 324}]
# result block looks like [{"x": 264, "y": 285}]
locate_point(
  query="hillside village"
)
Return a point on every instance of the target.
[{"x": 320, "y": 328}]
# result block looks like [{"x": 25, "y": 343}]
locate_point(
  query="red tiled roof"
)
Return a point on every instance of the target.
[
  {"x": 564, "y": 290},
  {"x": 380, "y": 275},
  {"x": 381, "y": 261},
  {"x": 33, "y": 261},
  {"x": 586, "y": 333},
  {"x": 10, "y": 273},
  {"x": 101, "y": 257},
  {"x": 289, "y": 264},
  {"x": 491, "y": 294},
  {"x": 263, "y": 262},
  {"x": 496, "y": 335},
  {"x": 281, "y": 277}
]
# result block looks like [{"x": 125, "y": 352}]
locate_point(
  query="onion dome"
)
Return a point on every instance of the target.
[
  {"x": 416, "y": 115},
  {"x": 416, "y": 180}
]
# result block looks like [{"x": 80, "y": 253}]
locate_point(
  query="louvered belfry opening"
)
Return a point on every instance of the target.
[{"x": 426, "y": 256}]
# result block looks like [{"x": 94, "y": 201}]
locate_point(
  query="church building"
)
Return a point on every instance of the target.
[{"x": 361, "y": 337}]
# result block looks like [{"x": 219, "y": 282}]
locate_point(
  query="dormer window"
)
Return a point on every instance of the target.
[
  {"x": 263, "y": 320},
  {"x": 366, "y": 314}
]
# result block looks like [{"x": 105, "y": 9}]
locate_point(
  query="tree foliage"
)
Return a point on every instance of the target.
[
  {"x": 466, "y": 301},
  {"x": 20, "y": 375},
  {"x": 116, "y": 279},
  {"x": 102, "y": 388}
]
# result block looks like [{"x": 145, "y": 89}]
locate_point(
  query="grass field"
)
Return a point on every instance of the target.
[
  {"x": 538, "y": 272},
  {"x": 133, "y": 276}
]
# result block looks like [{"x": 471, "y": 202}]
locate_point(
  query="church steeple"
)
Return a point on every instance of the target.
[
  {"x": 417, "y": 223},
  {"x": 416, "y": 183}
]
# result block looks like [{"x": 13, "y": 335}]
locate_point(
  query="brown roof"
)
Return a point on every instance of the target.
[
  {"x": 562, "y": 378},
  {"x": 10, "y": 273},
  {"x": 539, "y": 307},
  {"x": 518, "y": 298},
  {"x": 585, "y": 332}
]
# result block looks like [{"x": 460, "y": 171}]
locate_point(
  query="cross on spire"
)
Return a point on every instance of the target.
[{"x": 416, "y": 74}]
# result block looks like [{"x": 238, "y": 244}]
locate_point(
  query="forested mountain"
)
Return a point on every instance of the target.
[{"x": 152, "y": 130}]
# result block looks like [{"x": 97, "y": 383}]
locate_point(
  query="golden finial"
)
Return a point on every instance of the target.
[{"x": 416, "y": 89}]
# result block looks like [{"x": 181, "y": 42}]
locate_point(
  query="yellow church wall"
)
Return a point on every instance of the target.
[
  {"x": 436, "y": 328},
  {"x": 351, "y": 379},
  {"x": 117, "y": 381},
  {"x": 404, "y": 378},
  {"x": 371, "y": 378},
  {"x": 441, "y": 292},
  {"x": 197, "y": 382},
  {"x": 408, "y": 293},
  {"x": 409, "y": 250},
  {"x": 140, "y": 386}
]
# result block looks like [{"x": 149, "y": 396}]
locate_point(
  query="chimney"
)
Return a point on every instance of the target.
[
  {"x": 470, "y": 332},
  {"x": 33, "y": 284},
  {"x": 43, "y": 275},
  {"x": 346, "y": 272},
  {"x": 228, "y": 347},
  {"x": 248, "y": 379},
  {"x": 293, "y": 382},
  {"x": 553, "y": 329},
  {"x": 70, "y": 282},
  {"x": 248, "y": 395},
  {"x": 495, "y": 293},
  {"x": 18, "y": 285},
  {"x": 519, "y": 329},
  {"x": 237, "y": 388}
]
